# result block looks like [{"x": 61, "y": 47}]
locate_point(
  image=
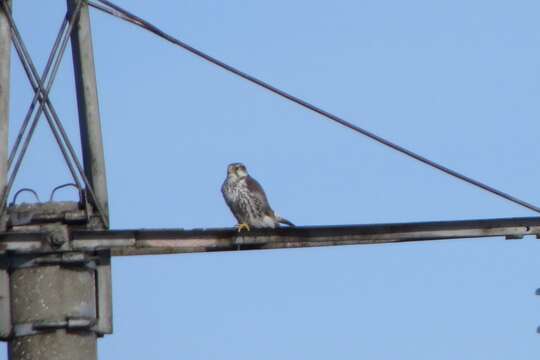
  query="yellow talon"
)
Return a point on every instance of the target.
[{"x": 243, "y": 226}]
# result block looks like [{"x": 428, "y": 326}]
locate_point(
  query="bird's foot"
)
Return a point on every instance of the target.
[{"x": 243, "y": 226}]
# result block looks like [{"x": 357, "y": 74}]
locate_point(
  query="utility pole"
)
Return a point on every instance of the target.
[{"x": 55, "y": 303}]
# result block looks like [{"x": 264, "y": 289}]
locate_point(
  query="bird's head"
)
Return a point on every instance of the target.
[{"x": 237, "y": 171}]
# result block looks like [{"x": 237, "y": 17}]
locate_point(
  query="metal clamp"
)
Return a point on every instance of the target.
[
  {"x": 537, "y": 292},
  {"x": 67, "y": 259},
  {"x": 100, "y": 322},
  {"x": 514, "y": 237},
  {"x": 70, "y": 323}
]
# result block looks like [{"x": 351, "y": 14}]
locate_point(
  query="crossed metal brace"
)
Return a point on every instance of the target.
[{"x": 42, "y": 86}]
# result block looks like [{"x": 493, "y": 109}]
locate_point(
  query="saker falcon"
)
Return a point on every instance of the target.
[{"x": 247, "y": 200}]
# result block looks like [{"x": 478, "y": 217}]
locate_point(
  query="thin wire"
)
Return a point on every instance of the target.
[
  {"x": 32, "y": 191},
  {"x": 51, "y": 197},
  {"x": 126, "y": 15}
]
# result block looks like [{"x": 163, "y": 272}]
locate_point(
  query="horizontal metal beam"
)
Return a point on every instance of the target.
[{"x": 172, "y": 241}]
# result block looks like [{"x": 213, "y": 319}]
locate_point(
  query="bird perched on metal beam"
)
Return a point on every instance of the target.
[{"x": 247, "y": 200}]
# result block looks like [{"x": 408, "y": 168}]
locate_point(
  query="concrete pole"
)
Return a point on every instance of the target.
[
  {"x": 87, "y": 99},
  {"x": 53, "y": 308},
  {"x": 5, "y": 56}
]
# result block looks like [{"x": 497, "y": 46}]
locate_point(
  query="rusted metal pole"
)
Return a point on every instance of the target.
[
  {"x": 87, "y": 99},
  {"x": 5, "y": 56}
]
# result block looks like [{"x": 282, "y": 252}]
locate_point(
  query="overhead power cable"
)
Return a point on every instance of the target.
[{"x": 121, "y": 13}]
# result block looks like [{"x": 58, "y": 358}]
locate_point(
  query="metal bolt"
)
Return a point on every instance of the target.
[{"x": 57, "y": 237}]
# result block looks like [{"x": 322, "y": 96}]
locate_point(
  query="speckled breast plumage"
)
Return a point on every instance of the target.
[{"x": 246, "y": 208}]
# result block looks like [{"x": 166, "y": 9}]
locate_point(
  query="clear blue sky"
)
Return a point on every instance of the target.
[{"x": 457, "y": 81}]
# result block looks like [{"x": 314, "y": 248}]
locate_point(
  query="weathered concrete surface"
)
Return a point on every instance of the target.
[
  {"x": 48, "y": 294},
  {"x": 52, "y": 293},
  {"x": 59, "y": 345}
]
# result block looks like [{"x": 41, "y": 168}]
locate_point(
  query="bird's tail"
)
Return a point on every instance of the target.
[{"x": 283, "y": 220}]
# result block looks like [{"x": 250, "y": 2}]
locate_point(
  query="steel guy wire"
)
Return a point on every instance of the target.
[{"x": 126, "y": 15}]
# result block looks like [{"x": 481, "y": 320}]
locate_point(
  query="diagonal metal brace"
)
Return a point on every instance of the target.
[
  {"x": 46, "y": 107},
  {"x": 41, "y": 92}
]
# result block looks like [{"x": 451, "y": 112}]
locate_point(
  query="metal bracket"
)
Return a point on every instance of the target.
[
  {"x": 104, "y": 294},
  {"x": 67, "y": 259},
  {"x": 537, "y": 292},
  {"x": 99, "y": 262},
  {"x": 36, "y": 327},
  {"x": 514, "y": 237},
  {"x": 66, "y": 212}
]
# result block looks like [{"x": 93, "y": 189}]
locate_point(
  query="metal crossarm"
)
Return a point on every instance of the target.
[{"x": 178, "y": 241}]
